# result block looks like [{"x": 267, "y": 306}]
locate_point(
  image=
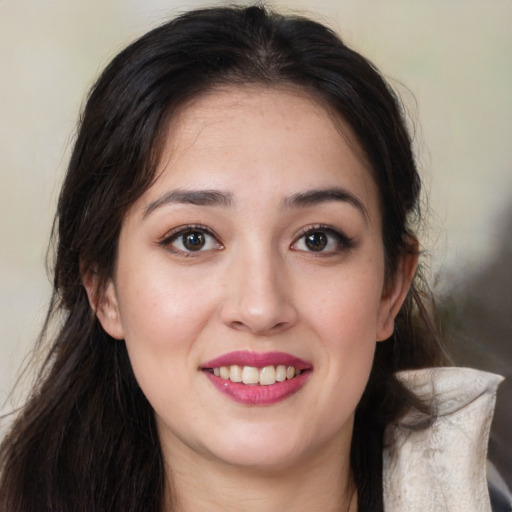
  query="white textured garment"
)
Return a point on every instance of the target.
[{"x": 441, "y": 468}]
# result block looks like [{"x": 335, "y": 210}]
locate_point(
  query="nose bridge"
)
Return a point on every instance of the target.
[{"x": 259, "y": 295}]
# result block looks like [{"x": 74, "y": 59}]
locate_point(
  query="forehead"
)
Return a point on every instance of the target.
[
  {"x": 234, "y": 113},
  {"x": 255, "y": 139}
]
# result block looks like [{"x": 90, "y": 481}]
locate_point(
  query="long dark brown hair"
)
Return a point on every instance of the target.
[{"x": 86, "y": 439}]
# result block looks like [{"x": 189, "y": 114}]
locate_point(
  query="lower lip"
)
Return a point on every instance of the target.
[{"x": 256, "y": 394}]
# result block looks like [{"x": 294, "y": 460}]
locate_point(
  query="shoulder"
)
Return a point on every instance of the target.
[{"x": 437, "y": 462}]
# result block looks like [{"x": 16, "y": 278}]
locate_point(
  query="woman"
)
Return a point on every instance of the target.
[{"x": 236, "y": 279}]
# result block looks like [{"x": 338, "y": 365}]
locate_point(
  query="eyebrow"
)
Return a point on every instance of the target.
[
  {"x": 218, "y": 198},
  {"x": 194, "y": 197},
  {"x": 323, "y": 195}
]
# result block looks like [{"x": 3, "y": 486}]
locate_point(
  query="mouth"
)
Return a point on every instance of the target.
[
  {"x": 257, "y": 379},
  {"x": 251, "y": 375}
]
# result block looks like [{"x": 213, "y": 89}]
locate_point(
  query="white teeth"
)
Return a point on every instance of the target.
[
  {"x": 281, "y": 373},
  {"x": 235, "y": 373},
  {"x": 250, "y": 375},
  {"x": 265, "y": 376}
]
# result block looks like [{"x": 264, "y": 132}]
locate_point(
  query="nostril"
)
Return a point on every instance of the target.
[{"x": 262, "y": 330}]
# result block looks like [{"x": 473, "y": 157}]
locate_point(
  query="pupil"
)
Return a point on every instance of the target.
[
  {"x": 194, "y": 240},
  {"x": 316, "y": 241}
]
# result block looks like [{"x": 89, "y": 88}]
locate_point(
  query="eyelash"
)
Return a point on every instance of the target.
[
  {"x": 176, "y": 233},
  {"x": 342, "y": 241}
]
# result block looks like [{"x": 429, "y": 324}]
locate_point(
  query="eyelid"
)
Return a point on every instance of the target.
[
  {"x": 344, "y": 241},
  {"x": 175, "y": 233}
]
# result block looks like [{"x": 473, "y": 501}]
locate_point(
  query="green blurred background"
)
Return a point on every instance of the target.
[{"x": 455, "y": 59}]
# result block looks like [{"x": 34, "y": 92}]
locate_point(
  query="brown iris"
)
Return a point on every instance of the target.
[
  {"x": 193, "y": 240},
  {"x": 316, "y": 241}
]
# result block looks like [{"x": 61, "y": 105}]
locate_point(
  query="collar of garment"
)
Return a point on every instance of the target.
[{"x": 437, "y": 463}]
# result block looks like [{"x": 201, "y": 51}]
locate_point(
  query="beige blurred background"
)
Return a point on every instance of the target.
[{"x": 455, "y": 59}]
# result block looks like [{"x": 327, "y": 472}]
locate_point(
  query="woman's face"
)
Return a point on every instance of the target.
[{"x": 256, "y": 254}]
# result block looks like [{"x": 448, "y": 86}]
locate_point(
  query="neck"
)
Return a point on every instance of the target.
[{"x": 322, "y": 482}]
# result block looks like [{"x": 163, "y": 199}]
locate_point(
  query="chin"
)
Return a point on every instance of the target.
[
  {"x": 269, "y": 448},
  {"x": 254, "y": 458}
]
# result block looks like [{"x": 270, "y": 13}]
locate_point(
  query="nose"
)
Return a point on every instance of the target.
[{"x": 259, "y": 295}]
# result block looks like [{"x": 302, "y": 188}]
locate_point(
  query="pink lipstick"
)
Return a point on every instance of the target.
[
  {"x": 259, "y": 360},
  {"x": 288, "y": 374}
]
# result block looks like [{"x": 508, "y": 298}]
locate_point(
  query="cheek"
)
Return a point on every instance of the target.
[
  {"x": 162, "y": 315},
  {"x": 162, "y": 326},
  {"x": 347, "y": 328},
  {"x": 344, "y": 316},
  {"x": 346, "y": 308},
  {"x": 343, "y": 320},
  {"x": 159, "y": 307}
]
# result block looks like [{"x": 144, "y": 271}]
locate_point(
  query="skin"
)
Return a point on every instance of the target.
[{"x": 255, "y": 285}]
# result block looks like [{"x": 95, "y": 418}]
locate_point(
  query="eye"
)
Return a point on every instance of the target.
[
  {"x": 322, "y": 240},
  {"x": 191, "y": 239},
  {"x": 316, "y": 241}
]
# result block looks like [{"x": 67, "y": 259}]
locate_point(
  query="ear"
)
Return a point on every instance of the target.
[
  {"x": 396, "y": 291},
  {"x": 104, "y": 303}
]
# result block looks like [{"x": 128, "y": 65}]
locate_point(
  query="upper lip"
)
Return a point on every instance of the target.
[{"x": 257, "y": 359}]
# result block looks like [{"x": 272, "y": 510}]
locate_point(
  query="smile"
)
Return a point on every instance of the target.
[
  {"x": 257, "y": 379},
  {"x": 251, "y": 375}
]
